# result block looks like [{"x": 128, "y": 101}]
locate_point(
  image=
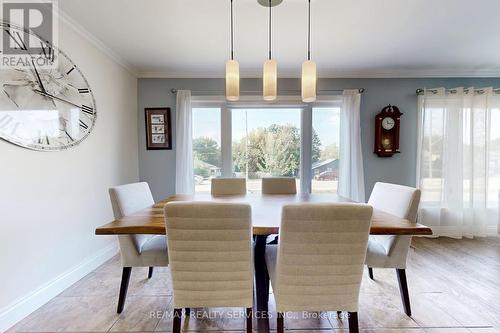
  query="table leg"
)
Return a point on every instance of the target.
[{"x": 261, "y": 283}]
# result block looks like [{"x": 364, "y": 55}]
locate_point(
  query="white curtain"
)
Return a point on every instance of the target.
[
  {"x": 184, "y": 174},
  {"x": 351, "y": 176},
  {"x": 458, "y": 166}
]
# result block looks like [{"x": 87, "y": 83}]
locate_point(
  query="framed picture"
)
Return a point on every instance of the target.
[{"x": 158, "y": 128}]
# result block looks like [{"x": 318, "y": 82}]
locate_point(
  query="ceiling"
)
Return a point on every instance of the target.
[{"x": 355, "y": 38}]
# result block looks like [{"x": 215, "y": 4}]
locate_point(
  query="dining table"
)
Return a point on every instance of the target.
[{"x": 266, "y": 219}]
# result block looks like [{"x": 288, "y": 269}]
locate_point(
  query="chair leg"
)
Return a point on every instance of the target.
[
  {"x": 249, "y": 314},
  {"x": 353, "y": 322},
  {"x": 123, "y": 288},
  {"x": 177, "y": 321},
  {"x": 187, "y": 311},
  {"x": 403, "y": 288},
  {"x": 150, "y": 273},
  {"x": 280, "y": 327},
  {"x": 370, "y": 272}
]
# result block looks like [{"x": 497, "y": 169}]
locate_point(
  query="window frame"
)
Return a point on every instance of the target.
[{"x": 256, "y": 102}]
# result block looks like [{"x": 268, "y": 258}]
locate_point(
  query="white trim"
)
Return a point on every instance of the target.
[
  {"x": 257, "y": 101},
  {"x": 226, "y": 142},
  {"x": 325, "y": 74},
  {"x": 306, "y": 127},
  {"x": 78, "y": 28},
  {"x": 14, "y": 312}
]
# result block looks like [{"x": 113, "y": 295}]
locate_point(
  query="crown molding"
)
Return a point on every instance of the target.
[
  {"x": 393, "y": 74},
  {"x": 77, "y": 27}
]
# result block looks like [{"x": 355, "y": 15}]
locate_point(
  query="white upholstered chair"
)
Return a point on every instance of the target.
[
  {"x": 391, "y": 251},
  {"x": 229, "y": 186},
  {"x": 210, "y": 252},
  {"x": 136, "y": 250},
  {"x": 279, "y": 185},
  {"x": 318, "y": 264}
]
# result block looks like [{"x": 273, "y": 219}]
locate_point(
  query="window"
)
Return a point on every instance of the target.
[
  {"x": 265, "y": 143},
  {"x": 252, "y": 139},
  {"x": 207, "y": 161},
  {"x": 432, "y": 155},
  {"x": 325, "y": 149},
  {"x": 459, "y": 161}
]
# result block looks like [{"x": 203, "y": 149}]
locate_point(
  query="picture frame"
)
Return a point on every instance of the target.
[{"x": 158, "y": 129}]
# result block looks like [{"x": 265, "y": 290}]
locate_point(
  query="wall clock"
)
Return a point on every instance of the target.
[
  {"x": 47, "y": 109},
  {"x": 387, "y": 124}
]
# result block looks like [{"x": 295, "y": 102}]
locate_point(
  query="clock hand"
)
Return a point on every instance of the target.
[
  {"x": 40, "y": 83},
  {"x": 56, "y": 98}
]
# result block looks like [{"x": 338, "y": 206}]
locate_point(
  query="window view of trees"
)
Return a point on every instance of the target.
[
  {"x": 271, "y": 151},
  {"x": 326, "y": 127},
  {"x": 266, "y": 143},
  {"x": 207, "y": 161}
]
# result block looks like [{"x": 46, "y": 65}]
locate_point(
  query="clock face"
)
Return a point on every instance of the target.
[
  {"x": 49, "y": 108},
  {"x": 388, "y": 123}
]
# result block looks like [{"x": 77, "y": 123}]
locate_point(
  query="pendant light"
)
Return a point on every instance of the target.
[
  {"x": 309, "y": 68},
  {"x": 270, "y": 72},
  {"x": 232, "y": 70}
]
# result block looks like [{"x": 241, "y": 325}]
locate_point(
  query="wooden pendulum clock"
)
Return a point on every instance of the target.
[{"x": 387, "y": 124}]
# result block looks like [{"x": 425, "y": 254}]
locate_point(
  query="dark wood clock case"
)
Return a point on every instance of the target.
[{"x": 387, "y": 141}]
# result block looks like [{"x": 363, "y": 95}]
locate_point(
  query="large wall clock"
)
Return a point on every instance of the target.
[{"x": 47, "y": 109}]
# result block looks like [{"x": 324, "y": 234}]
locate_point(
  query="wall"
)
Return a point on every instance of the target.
[
  {"x": 50, "y": 203},
  {"x": 158, "y": 167}
]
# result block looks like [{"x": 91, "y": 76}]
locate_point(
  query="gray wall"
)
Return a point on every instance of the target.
[{"x": 158, "y": 167}]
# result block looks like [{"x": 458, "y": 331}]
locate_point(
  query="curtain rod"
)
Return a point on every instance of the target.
[
  {"x": 174, "y": 90},
  {"x": 420, "y": 91}
]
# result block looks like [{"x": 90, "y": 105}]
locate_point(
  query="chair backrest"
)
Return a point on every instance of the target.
[
  {"x": 125, "y": 200},
  {"x": 321, "y": 254},
  {"x": 229, "y": 186},
  {"x": 279, "y": 185},
  {"x": 210, "y": 254},
  {"x": 401, "y": 201}
]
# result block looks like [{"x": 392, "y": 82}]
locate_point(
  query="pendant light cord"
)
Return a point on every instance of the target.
[
  {"x": 309, "y": 33},
  {"x": 232, "y": 34},
  {"x": 270, "y": 27}
]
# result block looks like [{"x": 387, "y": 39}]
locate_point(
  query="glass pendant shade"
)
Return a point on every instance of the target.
[
  {"x": 308, "y": 81},
  {"x": 232, "y": 80},
  {"x": 270, "y": 82}
]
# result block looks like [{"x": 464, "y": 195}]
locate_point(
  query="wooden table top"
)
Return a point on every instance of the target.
[{"x": 266, "y": 215}]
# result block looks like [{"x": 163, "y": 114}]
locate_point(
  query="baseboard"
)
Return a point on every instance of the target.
[{"x": 21, "y": 308}]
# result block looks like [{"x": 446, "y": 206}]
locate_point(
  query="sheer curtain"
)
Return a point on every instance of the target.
[
  {"x": 458, "y": 167},
  {"x": 351, "y": 176},
  {"x": 184, "y": 174}
]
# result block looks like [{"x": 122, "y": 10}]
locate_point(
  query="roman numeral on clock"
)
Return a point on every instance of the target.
[
  {"x": 83, "y": 125},
  {"x": 47, "y": 52},
  {"x": 69, "y": 72},
  {"x": 87, "y": 109},
  {"x": 18, "y": 40},
  {"x": 84, "y": 91}
]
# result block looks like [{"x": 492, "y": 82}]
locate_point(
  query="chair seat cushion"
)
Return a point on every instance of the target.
[{"x": 154, "y": 252}]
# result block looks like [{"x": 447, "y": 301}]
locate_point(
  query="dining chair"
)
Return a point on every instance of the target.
[
  {"x": 229, "y": 186},
  {"x": 318, "y": 264},
  {"x": 391, "y": 251},
  {"x": 136, "y": 250},
  {"x": 210, "y": 253},
  {"x": 279, "y": 185}
]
